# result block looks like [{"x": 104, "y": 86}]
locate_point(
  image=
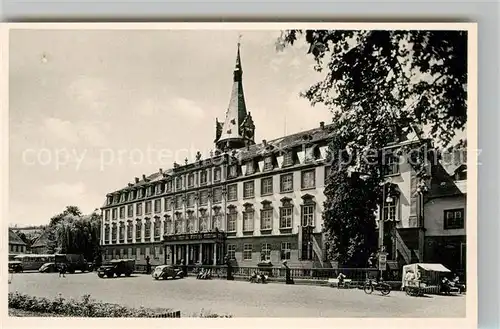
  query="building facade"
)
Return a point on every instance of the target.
[
  {"x": 16, "y": 244},
  {"x": 446, "y": 218},
  {"x": 254, "y": 202}
]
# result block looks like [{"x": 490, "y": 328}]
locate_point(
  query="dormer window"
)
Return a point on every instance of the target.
[
  {"x": 203, "y": 177},
  {"x": 250, "y": 168},
  {"x": 131, "y": 195},
  {"x": 310, "y": 154},
  {"x": 115, "y": 198},
  {"x": 169, "y": 186},
  {"x": 109, "y": 200},
  {"x": 122, "y": 197},
  {"x": 159, "y": 188},
  {"x": 178, "y": 183},
  {"x": 288, "y": 159},
  {"x": 191, "y": 180},
  {"x": 268, "y": 163},
  {"x": 217, "y": 174},
  {"x": 233, "y": 171}
]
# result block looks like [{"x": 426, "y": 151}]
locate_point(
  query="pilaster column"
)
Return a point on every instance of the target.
[
  {"x": 200, "y": 253},
  {"x": 215, "y": 254}
]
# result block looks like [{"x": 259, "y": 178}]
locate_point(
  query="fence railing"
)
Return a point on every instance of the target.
[{"x": 355, "y": 274}]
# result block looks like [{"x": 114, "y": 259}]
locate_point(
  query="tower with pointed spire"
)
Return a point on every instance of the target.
[{"x": 238, "y": 129}]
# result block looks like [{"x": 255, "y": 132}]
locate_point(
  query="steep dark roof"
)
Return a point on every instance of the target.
[
  {"x": 283, "y": 143},
  {"x": 453, "y": 160},
  {"x": 443, "y": 185},
  {"x": 41, "y": 241},
  {"x": 310, "y": 136},
  {"x": 15, "y": 239}
]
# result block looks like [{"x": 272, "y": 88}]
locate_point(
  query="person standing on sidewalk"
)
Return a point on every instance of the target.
[
  {"x": 288, "y": 273},
  {"x": 148, "y": 265},
  {"x": 62, "y": 270},
  {"x": 227, "y": 261}
]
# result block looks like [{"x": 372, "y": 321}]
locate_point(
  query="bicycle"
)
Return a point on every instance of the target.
[{"x": 383, "y": 287}]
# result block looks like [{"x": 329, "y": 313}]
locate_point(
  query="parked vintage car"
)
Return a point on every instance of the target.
[
  {"x": 167, "y": 271},
  {"x": 48, "y": 268},
  {"x": 116, "y": 267},
  {"x": 15, "y": 266}
]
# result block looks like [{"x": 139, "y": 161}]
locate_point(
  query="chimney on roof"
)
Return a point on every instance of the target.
[
  {"x": 130, "y": 184},
  {"x": 137, "y": 180},
  {"x": 161, "y": 171},
  {"x": 264, "y": 142},
  {"x": 143, "y": 177},
  {"x": 322, "y": 124}
]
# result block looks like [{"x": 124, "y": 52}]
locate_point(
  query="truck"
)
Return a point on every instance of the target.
[
  {"x": 116, "y": 267},
  {"x": 73, "y": 262}
]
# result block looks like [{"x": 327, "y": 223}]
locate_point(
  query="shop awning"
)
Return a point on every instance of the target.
[{"x": 433, "y": 267}]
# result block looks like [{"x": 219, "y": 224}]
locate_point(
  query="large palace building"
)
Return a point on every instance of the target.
[{"x": 252, "y": 202}]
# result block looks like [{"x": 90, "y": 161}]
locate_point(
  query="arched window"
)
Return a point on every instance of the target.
[
  {"x": 231, "y": 219},
  {"x": 130, "y": 230},
  {"x": 138, "y": 230},
  {"x": 167, "y": 228},
  {"x": 147, "y": 229},
  {"x": 217, "y": 218},
  {"x": 106, "y": 233},
  {"x": 113, "y": 233},
  {"x": 203, "y": 220},
  {"x": 157, "y": 227},
  {"x": 190, "y": 222}
]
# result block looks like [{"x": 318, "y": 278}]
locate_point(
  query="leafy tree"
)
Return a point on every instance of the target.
[
  {"x": 380, "y": 85},
  {"x": 385, "y": 82},
  {"x": 349, "y": 215},
  {"x": 79, "y": 235},
  {"x": 70, "y": 210}
]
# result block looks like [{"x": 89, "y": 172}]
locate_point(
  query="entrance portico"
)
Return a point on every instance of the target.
[{"x": 206, "y": 248}]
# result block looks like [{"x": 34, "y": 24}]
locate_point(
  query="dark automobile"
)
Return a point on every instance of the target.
[
  {"x": 15, "y": 266},
  {"x": 48, "y": 268},
  {"x": 167, "y": 271},
  {"x": 117, "y": 267}
]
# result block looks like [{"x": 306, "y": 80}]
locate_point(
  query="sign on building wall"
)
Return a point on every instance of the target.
[{"x": 382, "y": 261}]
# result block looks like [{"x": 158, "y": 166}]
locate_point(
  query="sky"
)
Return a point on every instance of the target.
[{"x": 91, "y": 110}]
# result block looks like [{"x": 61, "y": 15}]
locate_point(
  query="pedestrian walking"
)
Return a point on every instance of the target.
[
  {"x": 288, "y": 273},
  {"x": 148, "y": 265},
  {"x": 229, "y": 268},
  {"x": 62, "y": 270},
  {"x": 184, "y": 267}
]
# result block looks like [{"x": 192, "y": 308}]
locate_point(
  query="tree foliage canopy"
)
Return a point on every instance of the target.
[
  {"x": 73, "y": 233},
  {"x": 385, "y": 81}
]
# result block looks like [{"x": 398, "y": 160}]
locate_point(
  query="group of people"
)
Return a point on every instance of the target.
[
  {"x": 448, "y": 285},
  {"x": 204, "y": 274}
]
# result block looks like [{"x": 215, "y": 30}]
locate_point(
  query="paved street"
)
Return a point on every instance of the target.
[{"x": 240, "y": 299}]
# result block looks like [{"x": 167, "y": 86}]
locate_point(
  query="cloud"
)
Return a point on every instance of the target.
[
  {"x": 91, "y": 133},
  {"x": 89, "y": 91},
  {"x": 188, "y": 108},
  {"x": 60, "y": 129},
  {"x": 178, "y": 105},
  {"x": 65, "y": 190}
]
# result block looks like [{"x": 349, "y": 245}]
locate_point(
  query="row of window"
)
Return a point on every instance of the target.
[
  {"x": 202, "y": 178},
  {"x": 17, "y": 248},
  {"x": 191, "y": 224},
  {"x": 133, "y": 253},
  {"x": 265, "y": 255},
  {"x": 308, "y": 181}
]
